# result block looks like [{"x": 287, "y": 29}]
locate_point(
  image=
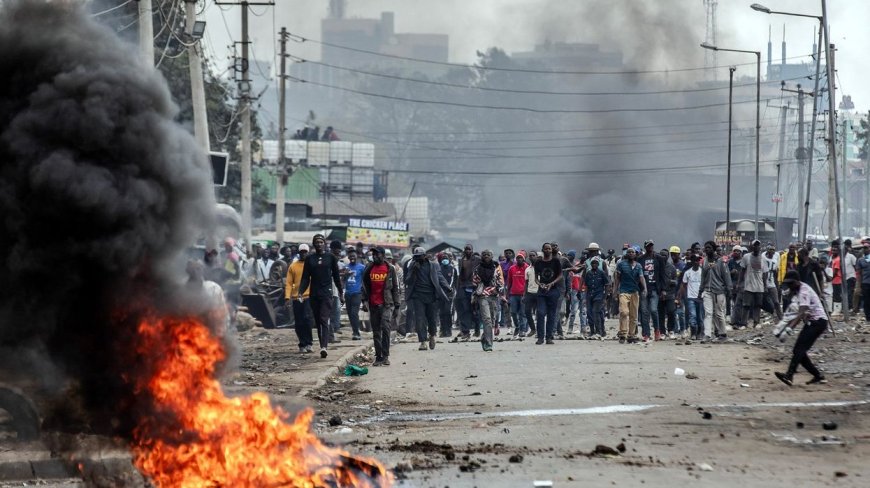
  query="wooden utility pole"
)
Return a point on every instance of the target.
[
  {"x": 282, "y": 129},
  {"x": 197, "y": 90},
  {"x": 146, "y": 31},
  {"x": 245, "y": 114}
]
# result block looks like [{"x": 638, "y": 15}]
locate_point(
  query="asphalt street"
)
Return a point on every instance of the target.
[{"x": 456, "y": 415}]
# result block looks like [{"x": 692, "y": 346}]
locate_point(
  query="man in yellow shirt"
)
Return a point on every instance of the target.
[{"x": 300, "y": 307}]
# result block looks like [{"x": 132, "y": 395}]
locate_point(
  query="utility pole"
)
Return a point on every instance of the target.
[
  {"x": 146, "y": 31},
  {"x": 780, "y": 159},
  {"x": 245, "y": 114},
  {"x": 811, "y": 155},
  {"x": 197, "y": 90},
  {"x": 282, "y": 167},
  {"x": 845, "y": 224},
  {"x": 728, "y": 190},
  {"x": 802, "y": 159}
]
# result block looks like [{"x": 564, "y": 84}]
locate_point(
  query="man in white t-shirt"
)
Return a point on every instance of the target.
[
  {"x": 771, "y": 265},
  {"x": 530, "y": 298},
  {"x": 755, "y": 274},
  {"x": 694, "y": 300}
]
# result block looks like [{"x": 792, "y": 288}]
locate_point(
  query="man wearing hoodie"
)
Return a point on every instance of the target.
[
  {"x": 489, "y": 282},
  {"x": 445, "y": 308},
  {"x": 424, "y": 288},
  {"x": 653, "y": 275},
  {"x": 465, "y": 290}
]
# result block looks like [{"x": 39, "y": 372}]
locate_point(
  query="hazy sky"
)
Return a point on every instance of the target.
[{"x": 516, "y": 25}]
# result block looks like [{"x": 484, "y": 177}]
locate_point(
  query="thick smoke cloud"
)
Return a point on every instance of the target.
[{"x": 99, "y": 192}]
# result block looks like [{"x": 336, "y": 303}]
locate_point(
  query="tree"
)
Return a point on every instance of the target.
[
  {"x": 221, "y": 106},
  {"x": 863, "y": 136}
]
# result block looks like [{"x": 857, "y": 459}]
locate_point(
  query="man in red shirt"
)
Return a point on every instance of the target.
[
  {"x": 516, "y": 287},
  {"x": 380, "y": 290}
]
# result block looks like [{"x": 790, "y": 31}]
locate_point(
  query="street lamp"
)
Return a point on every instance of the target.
[
  {"x": 761, "y": 8},
  {"x": 757, "y": 117}
]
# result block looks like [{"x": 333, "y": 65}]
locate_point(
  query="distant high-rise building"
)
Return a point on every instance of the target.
[{"x": 569, "y": 55}]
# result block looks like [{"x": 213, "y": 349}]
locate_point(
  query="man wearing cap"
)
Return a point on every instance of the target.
[
  {"x": 320, "y": 272},
  {"x": 812, "y": 313},
  {"x": 465, "y": 289},
  {"x": 596, "y": 281},
  {"x": 754, "y": 277},
  {"x": 298, "y": 301},
  {"x": 668, "y": 297},
  {"x": 445, "y": 308},
  {"x": 424, "y": 288},
  {"x": 715, "y": 285},
  {"x": 380, "y": 289},
  {"x": 653, "y": 270},
  {"x": 516, "y": 288}
]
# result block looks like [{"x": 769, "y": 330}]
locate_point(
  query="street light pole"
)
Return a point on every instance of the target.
[
  {"x": 757, "y": 119},
  {"x": 728, "y": 184}
]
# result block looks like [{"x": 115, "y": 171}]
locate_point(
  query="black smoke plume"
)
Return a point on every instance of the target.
[{"x": 100, "y": 191}]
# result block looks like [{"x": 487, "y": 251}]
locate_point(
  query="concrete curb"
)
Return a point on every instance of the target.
[{"x": 333, "y": 368}]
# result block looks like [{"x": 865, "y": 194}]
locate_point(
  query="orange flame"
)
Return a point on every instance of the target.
[{"x": 197, "y": 437}]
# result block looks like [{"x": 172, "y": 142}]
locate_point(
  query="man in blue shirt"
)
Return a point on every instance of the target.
[
  {"x": 629, "y": 284},
  {"x": 353, "y": 291},
  {"x": 596, "y": 285}
]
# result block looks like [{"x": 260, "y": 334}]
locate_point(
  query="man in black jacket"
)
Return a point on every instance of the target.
[
  {"x": 465, "y": 290},
  {"x": 320, "y": 271},
  {"x": 424, "y": 288},
  {"x": 445, "y": 309},
  {"x": 652, "y": 266},
  {"x": 380, "y": 289}
]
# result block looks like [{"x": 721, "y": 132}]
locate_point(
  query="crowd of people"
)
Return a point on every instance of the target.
[{"x": 665, "y": 294}]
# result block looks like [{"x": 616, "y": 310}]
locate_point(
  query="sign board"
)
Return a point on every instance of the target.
[
  {"x": 727, "y": 238},
  {"x": 219, "y": 166},
  {"x": 378, "y": 233}
]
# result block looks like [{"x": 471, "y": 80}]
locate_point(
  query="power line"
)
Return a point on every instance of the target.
[
  {"x": 302, "y": 39},
  {"x": 116, "y": 7},
  {"x": 530, "y": 92},
  {"x": 521, "y": 109}
]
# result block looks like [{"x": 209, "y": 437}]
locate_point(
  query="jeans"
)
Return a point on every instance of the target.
[
  {"x": 680, "y": 315},
  {"x": 596, "y": 316},
  {"x": 649, "y": 311},
  {"x": 628, "y": 305},
  {"x": 865, "y": 296},
  {"x": 695, "y": 307},
  {"x": 463, "y": 309},
  {"x": 445, "y": 316},
  {"x": 714, "y": 313},
  {"x": 850, "y": 291},
  {"x": 380, "y": 319},
  {"x": 548, "y": 312},
  {"x": 773, "y": 299},
  {"x": 668, "y": 314},
  {"x": 530, "y": 304},
  {"x": 425, "y": 318},
  {"x": 561, "y": 313},
  {"x": 574, "y": 308},
  {"x": 336, "y": 314},
  {"x": 321, "y": 308},
  {"x": 303, "y": 321},
  {"x": 489, "y": 308},
  {"x": 352, "y": 303},
  {"x": 518, "y": 314}
]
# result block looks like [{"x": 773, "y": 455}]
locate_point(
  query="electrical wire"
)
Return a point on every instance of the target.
[
  {"x": 302, "y": 39},
  {"x": 530, "y": 92},
  {"x": 520, "y": 109},
  {"x": 116, "y": 7}
]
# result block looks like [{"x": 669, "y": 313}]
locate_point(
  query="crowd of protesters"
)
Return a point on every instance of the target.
[{"x": 667, "y": 294}]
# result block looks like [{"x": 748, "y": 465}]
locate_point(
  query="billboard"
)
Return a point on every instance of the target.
[{"x": 378, "y": 233}]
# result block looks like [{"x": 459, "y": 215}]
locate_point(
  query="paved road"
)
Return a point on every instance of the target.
[{"x": 554, "y": 403}]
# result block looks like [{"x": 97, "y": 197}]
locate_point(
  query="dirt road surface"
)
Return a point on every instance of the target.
[{"x": 597, "y": 413}]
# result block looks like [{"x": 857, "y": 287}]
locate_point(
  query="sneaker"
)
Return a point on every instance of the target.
[
  {"x": 378, "y": 362},
  {"x": 323, "y": 352},
  {"x": 634, "y": 340},
  {"x": 422, "y": 347},
  {"x": 386, "y": 362},
  {"x": 308, "y": 349},
  {"x": 539, "y": 342},
  {"x": 785, "y": 378},
  {"x": 550, "y": 341},
  {"x": 622, "y": 340},
  {"x": 477, "y": 333},
  {"x": 570, "y": 330},
  {"x": 516, "y": 332},
  {"x": 356, "y": 338},
  {"x": 817, "y": 380},
  {"x": 722, "y": 338},
  {"x": 645, "y": 339},
  {"x": 560, "y": 337},
  {"x": 301, "y": 349},
  {"x": 706, "y": 339},
  {"x": 431, "y": 342},
  {"x": 487, "y": 347}
]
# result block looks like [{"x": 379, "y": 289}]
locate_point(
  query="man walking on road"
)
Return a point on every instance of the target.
[
  {"x": 548, "y": 273},
  {"x": 320, "y": 272},
  {"x": 629, "y": 283},
  {"x": 299, "y": 299},
  {"x": 489, "y": 282},
  {"x": 715, "y": 284},
  {"x": 596, "y": 282},
  {"x": 755, "y": 275},
  {"x": 445, "y": 308},
  {"x": 863, "y": 267},
  {"x": 353, "y": 291},
  {"x": 425, "y": 287},
  {"x": 530, "y": 298},
  {"x": 653, "y": 277},
  {"x": 380, "y": 289},
  {"x": 516, "y": 288}
]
